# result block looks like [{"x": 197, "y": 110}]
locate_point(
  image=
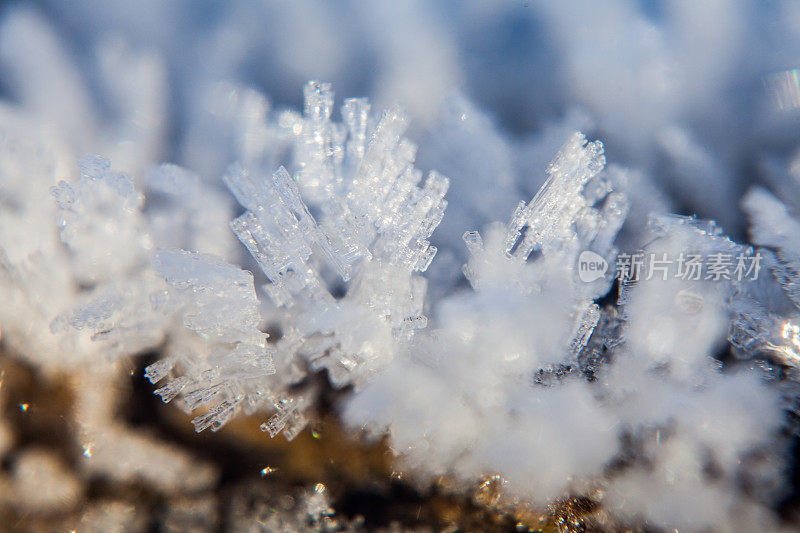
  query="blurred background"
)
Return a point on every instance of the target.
[{"x": 698, "y": 96}]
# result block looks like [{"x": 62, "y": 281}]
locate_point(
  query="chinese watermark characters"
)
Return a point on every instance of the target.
[{"x": 685, "y": 266}]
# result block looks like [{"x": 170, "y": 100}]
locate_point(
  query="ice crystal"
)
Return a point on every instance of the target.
[
  {"x": 101, "y": 222},
  {"x": 222, "y": 348},
  {"x": 340, "y": 243},
  {"x": 74, "y": 254},
  {"x": 102, "y": 225},
  {"x": 342, "y": 235},
  {"x": 528, "y": 312},
  {"x": 372, "y": 221},
  {"x": 532, "y": 372},
  {"x": 539, "y": 366},
  {"x": 769, "y": 308}
]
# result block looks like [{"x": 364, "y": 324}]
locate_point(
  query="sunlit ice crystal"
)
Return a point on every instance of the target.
[
  {"x": 222, "y": 302},
  {"x": 549, "y": 216},
  {"x": 575, "y": 211},
  {"x": 341, "y": 240},
  {"x": 219, "y": 363},
  {"x": 205, "y": 308},
  {"x": 279, "y": 231},
  {"x": 110, "y": 233},
  {"x": 355, "y": 209},
  {"x": 223, "y": 356}
]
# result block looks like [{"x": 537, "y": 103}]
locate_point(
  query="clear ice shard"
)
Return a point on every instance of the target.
[{"x": 554, "y": 210}]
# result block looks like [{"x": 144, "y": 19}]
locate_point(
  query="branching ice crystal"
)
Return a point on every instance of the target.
[
  {"x": 550, "y": 216},
  {"x": 340, "y": 242},
  {"x": 355, "y": 209},
  {"x": 514, "y": 378},
  {"x": 225, "y": 355},
  {"x": 574, "y": 212},
  {"x": 75, "y": 254}
]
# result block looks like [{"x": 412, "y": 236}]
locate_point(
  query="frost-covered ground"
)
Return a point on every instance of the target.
[{"x": 502, "y": 299}]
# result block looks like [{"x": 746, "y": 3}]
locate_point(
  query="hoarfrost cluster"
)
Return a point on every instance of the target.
[{"x": 493, "y": 356}]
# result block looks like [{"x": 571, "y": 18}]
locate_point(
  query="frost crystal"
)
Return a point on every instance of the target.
[
  {"x": 74, "y": 254},
  {"x": 529, "y": 314},
  {"x": 223, "y": 351},
  {"x": 528, "y": 369},
  {"x": 101, "y": 221},
  {"x": 370, "y": 226},
  {"x": 560, "y": 204},
  {"x": 340, "y": 243},
  {"x": 768, "y": 309}
]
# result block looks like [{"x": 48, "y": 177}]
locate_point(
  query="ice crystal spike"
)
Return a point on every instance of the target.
[
  {"x": 157, "y": 371},
  {"x": 223, "y": 354},
  {"x": 280, "y": 233},
  {"x": 353, "y": 219},
  {"x": 216, "y": 417},
  {"x": 550, "y": 214},
  {"x": 355, "y": 211},
  {"x": 574, "y": 211},
  {"x": 355, "y": 113},
  {"x": 287, "y": 420},
  {"x": 173, "y": 387},
  {"x": 320, "y": 152},
  {"x": 584, "y": 328}
]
